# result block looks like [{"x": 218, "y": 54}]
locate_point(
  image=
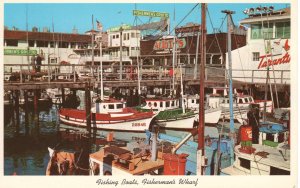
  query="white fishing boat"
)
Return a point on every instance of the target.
[
  {"x": 112, "y": 115},
  {"x": 270, "y": 157}
]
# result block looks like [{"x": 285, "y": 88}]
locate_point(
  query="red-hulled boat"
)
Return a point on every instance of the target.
[{"x": 109, "y": 115}]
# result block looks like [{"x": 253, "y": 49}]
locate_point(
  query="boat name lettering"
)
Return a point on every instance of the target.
[
  {"x": 265, "y": 61},
  {"x": 139, "y": 124}
]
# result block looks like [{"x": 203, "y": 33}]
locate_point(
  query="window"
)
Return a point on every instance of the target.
[
  {"x": 168, "y": 104},
  {"x": 119, "y": 106},
  {"x": 132, "y": 35},
  {"x": 241, "y": 101},
  {"x": 31, "y": 43},
  {"x": 11, "y": 42},
  {"x": 160, "y": 104},
  {"x": 41, "y": 43},
  {"x": 258, "y": 33},
  {"x": 255, "y": 56},
  {"x": 114, "y": 36},
  {"x": 246, "y": 100},
  {"x": 283, "y": 30},
  {"x": 117, "y": 36},
  {"x": 155, "y": 104},
  {"x": 132, "y": 48},
  {"x": 110, "y": 106},
  {"x": 244, "y": 163},
  {"x": 173, "y": 103}
]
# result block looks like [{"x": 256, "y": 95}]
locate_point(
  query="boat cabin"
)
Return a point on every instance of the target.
[
  {"x": 161, "y": 104},
  {"x": 110, "y": 106},
  {"x": 272, "y": 134}
]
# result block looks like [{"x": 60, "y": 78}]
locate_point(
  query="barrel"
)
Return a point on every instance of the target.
[
  {"x": 174, "y": 164},
  {"x": 245, "y": 133}
]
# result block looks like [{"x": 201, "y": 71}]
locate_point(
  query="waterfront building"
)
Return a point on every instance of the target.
[
  {"x": 21, "y": 47},
  {"x": 268, "y": 40}
]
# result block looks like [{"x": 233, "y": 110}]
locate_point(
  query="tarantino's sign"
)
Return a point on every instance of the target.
[
  {"x": 266, "y": 60},
  {"x": 168, "y": 44}
]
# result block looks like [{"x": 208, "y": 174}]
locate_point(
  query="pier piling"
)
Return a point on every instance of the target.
[
  {"x": 17, "y": 111},
  {"x": 26, "y": 112},
  {"x": 88, "y": 108}
]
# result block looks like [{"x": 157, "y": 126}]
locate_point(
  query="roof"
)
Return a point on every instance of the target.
[
  {"x": 275, "y": 15},
  {"x": 46, "y": 36}
]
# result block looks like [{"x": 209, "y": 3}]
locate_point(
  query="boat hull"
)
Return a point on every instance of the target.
[{"x": 130, "y": 124}]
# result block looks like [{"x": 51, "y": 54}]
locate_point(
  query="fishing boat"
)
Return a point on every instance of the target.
[
  {"x": 171, "y": 116},
  {"x": 271, "y": 156},
  {"x": 112, "y": 115}
]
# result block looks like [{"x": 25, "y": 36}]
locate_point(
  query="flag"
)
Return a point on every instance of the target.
[
  {"x": 99, "y": 25},
  {"x": 243, "y": 27}
]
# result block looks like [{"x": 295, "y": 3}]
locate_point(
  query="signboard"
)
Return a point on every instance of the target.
[
  {"x": 266, "y": 60},
  {"x": 117, "y": 28},
  {"x": 150, "y": 13},
  {"x": 22, "y": 52},
  {"x": 168, "y": 44},
  {"x": 189, "y": 29}
]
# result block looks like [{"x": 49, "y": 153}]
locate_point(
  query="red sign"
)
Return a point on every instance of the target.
[
  {"x": 168, "y": 44},
  {"x": 264, "y": 62}
]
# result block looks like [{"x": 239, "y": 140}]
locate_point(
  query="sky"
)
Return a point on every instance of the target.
[{"x": 66, "y": 16}]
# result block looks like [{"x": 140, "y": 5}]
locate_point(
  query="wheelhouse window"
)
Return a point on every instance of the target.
[
  {"x": 255, "y": 56},
  {"x": 173, "y": 103},
  {"x": 168, "y": 104},
  {"x": 111, "y": 106},
  {"x": 119, "y": 106},
  {"x": 160, "y": 104},
  {"x": 241, "y": 101},
  {"x": 283, "y": 30}
]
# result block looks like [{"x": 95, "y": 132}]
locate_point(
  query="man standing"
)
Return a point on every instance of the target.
[{"x": 38, "y": 63}]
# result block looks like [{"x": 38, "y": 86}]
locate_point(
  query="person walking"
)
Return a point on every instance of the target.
[{"x": 38, "y": 63}]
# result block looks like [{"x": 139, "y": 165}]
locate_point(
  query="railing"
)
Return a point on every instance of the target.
[
  {"x": 71, "y": 72},
  {"x": 259, "y": 76}
]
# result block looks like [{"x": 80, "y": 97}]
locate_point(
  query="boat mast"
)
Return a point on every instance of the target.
[
  {"x": 200, "y": 152},
  {"x": 228, "y": 12},
  {"x": 28, "y": 62},
  {"x": 137, "y": 60},
  {"x": 93, "y": 63},
  {"x": 101, "y": 68},
  {"x": 174, "y": 57},
  {"x": 181, "y": 85}
]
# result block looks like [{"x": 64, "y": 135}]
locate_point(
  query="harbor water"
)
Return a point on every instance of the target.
[{"x": 26, "y": 153}]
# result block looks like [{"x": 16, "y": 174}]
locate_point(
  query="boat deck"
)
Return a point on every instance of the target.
[
  {"x": 263, "y": 157},
  {"x": 142, "y": 165}
]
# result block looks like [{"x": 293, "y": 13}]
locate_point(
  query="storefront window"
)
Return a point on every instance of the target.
[{"x": 283, "y": 30}]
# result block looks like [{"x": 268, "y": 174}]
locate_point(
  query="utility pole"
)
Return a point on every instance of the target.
[{"x": 200, "y": 152}]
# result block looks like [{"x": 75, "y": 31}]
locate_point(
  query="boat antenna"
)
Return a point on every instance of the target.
[{"x": 229, "y": 13}]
